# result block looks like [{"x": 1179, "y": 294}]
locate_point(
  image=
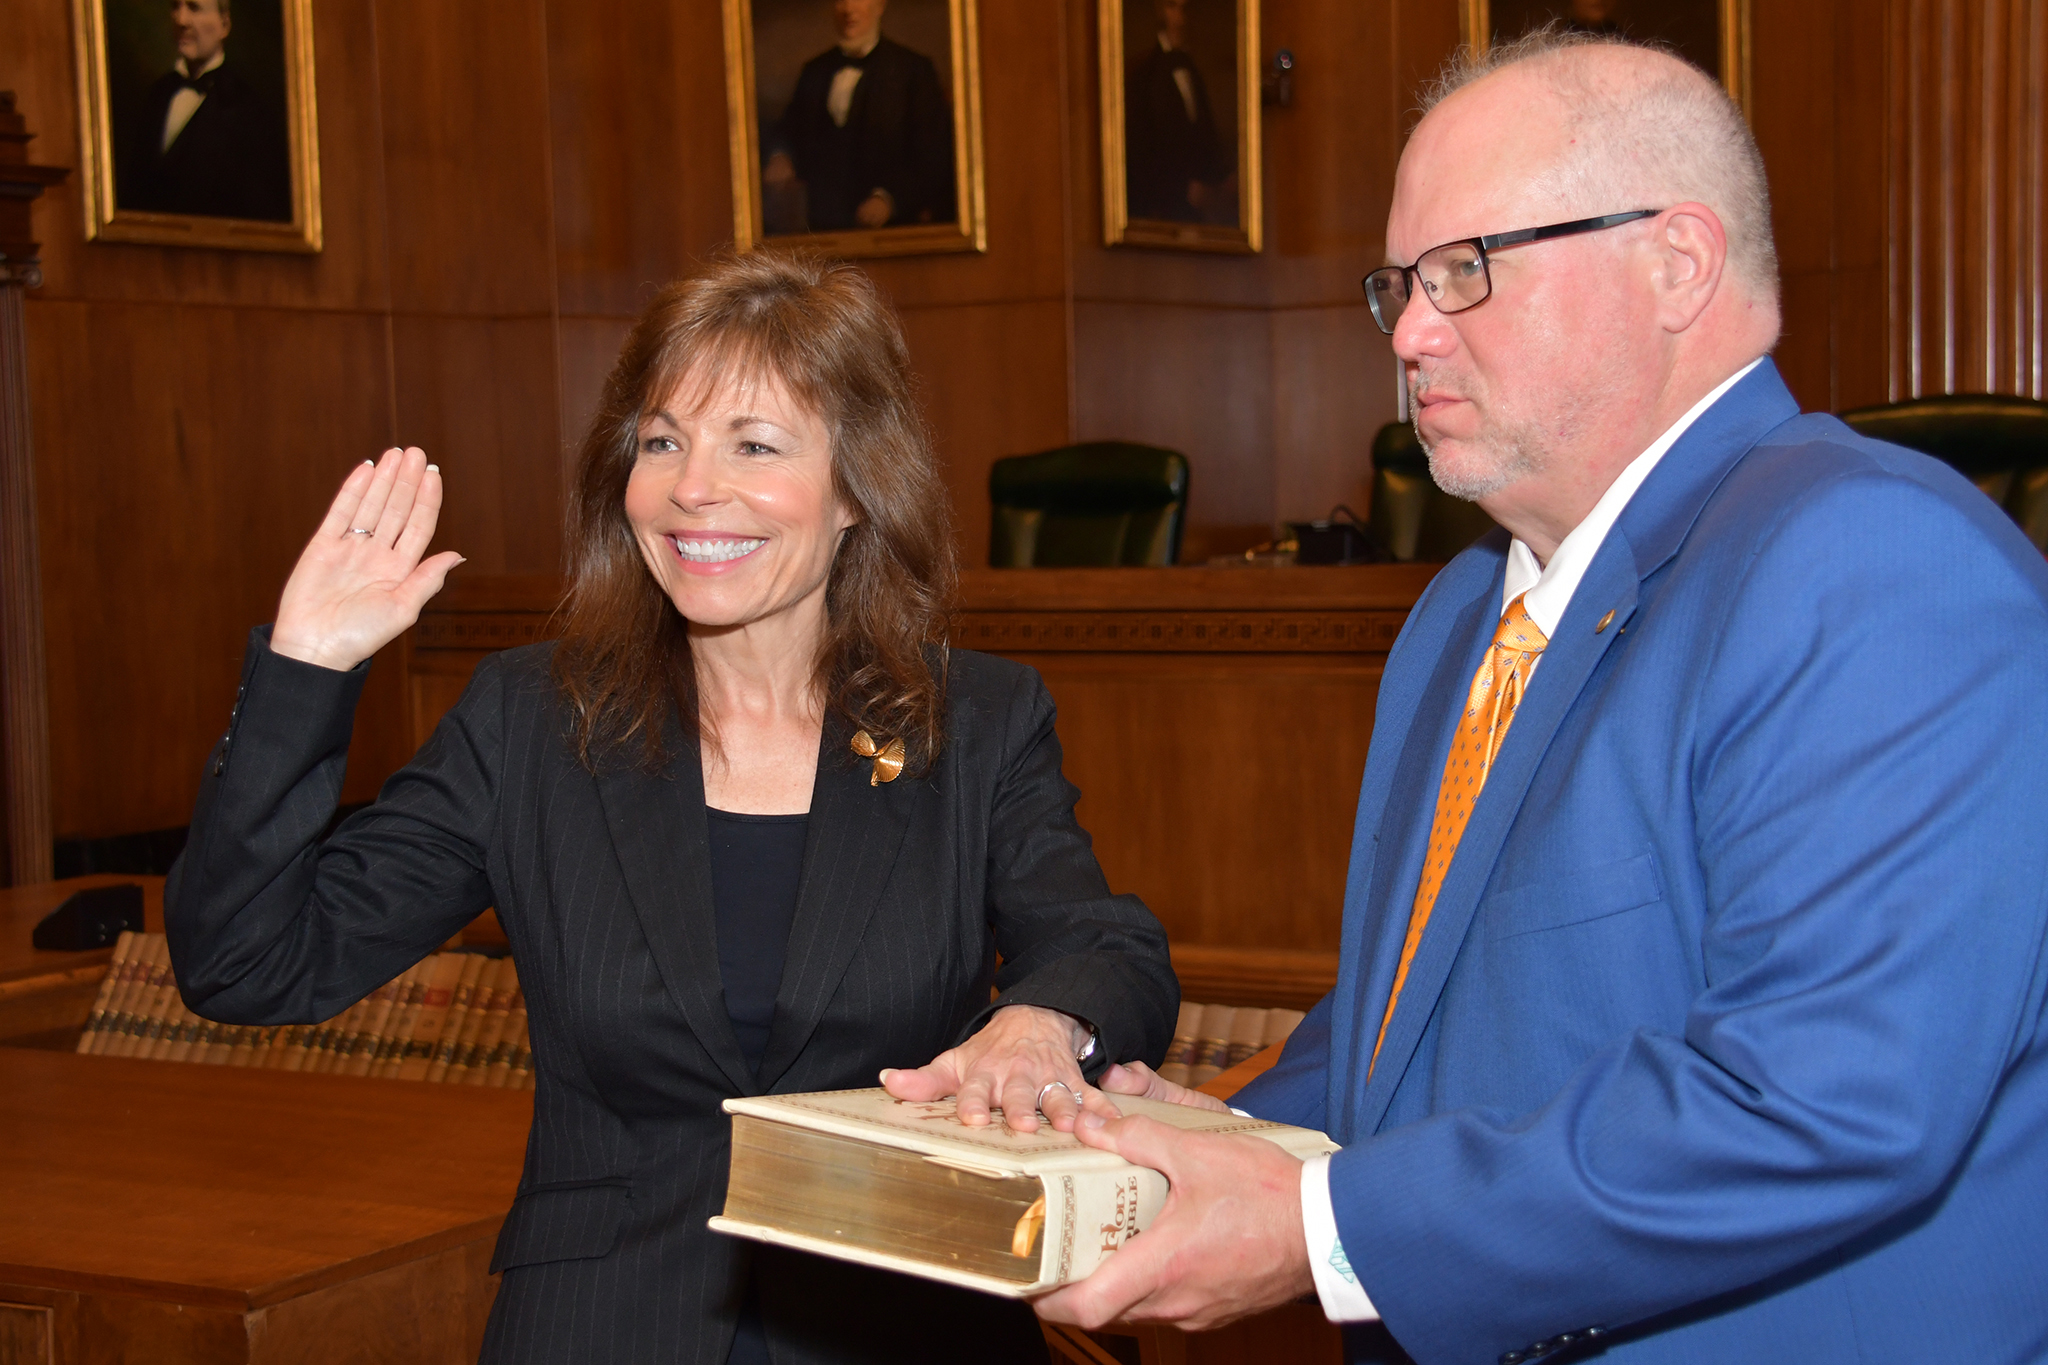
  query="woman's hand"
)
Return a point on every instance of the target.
[
  {"x": 1016, "y": 1055},
  {"x": 361, "y": 582},
  {"x": 1135, "y": 1078}
]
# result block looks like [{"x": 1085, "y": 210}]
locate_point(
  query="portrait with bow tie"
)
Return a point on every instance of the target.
[
  {"x": 853, "y": 124},
  {"x": 1180, "y": 123},
  {"x": 199, "y": 122}
]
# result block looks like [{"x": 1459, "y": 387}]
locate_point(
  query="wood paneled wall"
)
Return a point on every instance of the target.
[{"x": 507, "y": 181}]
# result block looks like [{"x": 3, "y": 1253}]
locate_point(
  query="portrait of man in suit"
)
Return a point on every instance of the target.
[
  {"x": 864, "y": 139},
  {"x": 1177, "y": 163},
  {"x": 208, "y": 136},
  {"x": 1692, "y": 27}
]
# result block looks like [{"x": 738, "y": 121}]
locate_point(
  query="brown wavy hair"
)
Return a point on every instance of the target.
[{"x": 820, "y": 328}]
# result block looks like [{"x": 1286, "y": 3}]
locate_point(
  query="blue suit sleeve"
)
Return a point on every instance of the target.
[
  {"x": 1867, "y": 785},
  {"x": 1297, "y": 1089}
]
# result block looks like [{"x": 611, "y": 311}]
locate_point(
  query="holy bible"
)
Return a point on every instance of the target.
[{"x": 859, "y": 1176}]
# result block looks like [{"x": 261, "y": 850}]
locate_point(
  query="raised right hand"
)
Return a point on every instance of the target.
[{"x": 353, "y": 592}]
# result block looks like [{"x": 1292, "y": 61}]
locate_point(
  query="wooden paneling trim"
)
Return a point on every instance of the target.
[
  {"x": 1147, "y": 632},
  {"x": 1254, "y": 976},
  {"x": 1964, "y": 133}
]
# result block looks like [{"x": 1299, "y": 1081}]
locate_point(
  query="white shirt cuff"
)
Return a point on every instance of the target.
[{"x": 1344, "y": 1299}]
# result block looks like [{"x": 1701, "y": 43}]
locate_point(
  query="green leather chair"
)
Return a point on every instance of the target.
[
  {"x": 1093, "y": 505},
  {"x": 1411, "y": 516},
  {"x": 1997, "y": 441}
]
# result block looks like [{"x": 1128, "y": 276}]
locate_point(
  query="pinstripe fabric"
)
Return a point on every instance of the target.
[{"x": 909, "y": 891}]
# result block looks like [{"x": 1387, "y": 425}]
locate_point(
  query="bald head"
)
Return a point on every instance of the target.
[{"x": 1628, "y": 126}]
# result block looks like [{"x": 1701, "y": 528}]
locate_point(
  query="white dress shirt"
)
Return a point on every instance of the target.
[
  {"x": 186, "y": 102},
  {"x": 1546, "y": 591}
]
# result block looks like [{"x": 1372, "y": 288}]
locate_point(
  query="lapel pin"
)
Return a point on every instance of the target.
[
  {"x": 1605, "y": 622},
  {"x": 888, "y": 758}
]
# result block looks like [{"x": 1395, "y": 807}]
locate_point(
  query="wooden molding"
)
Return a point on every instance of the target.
[
  {"x": 1128, "y": 632},
  {"x": 1269, "y": 977},
  {"x": 24, "y": 700}
]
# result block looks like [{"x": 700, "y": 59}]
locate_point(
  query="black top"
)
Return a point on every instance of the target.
[
  {"x": 898, "y": 137},
  {"x": 756, "y": 863}
]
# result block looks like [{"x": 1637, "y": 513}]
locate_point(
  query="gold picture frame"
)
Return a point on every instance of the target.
[
  {"x": 968, "y": 228},
  {"x": 1732, "y": 24},
  {"x": 103, "y": 144},
  {"x": 1120, "y": 225}
]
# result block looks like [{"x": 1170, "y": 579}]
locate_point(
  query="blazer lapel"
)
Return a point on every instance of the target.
[
  {"x": 1405, "y": 819},
  {"x": 663, "y": 841},
  {"x": 856, "y": 828}
]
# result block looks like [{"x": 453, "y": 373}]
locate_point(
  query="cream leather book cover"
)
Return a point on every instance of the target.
[{"x": 1049, "y": 1209}]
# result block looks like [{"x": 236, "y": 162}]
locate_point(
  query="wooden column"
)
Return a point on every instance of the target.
[
  {"x": 24, "y": 702},
  {"x": 1965, "y": 137}
]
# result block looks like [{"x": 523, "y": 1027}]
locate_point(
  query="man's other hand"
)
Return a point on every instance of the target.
[{"x": 1228, "y": 1242}]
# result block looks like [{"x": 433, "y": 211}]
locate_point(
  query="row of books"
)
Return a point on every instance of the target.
[
  {"x": 455, "y": 1017},
  {"x": 1210, "y": 1039}
]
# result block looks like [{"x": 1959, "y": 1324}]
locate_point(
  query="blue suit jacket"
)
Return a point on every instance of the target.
[{"x": 1726, "y": 1036}]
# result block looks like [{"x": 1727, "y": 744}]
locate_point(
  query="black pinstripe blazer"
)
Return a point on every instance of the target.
[{"x": 910, "y": 890}]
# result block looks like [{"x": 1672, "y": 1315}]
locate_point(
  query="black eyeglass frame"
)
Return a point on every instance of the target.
[{"x": 1482, "y": 245}]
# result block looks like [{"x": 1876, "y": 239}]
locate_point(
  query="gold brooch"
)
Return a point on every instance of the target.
[{"x": 888, "y": 758}]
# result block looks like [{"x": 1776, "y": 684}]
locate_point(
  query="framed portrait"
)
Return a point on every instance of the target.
[
  {"x": 1180, "y": 124},
  {"x": 1712, "y": 34},
  {"x": 856, "y": 125},
  {"x": 198, "y": 122}
]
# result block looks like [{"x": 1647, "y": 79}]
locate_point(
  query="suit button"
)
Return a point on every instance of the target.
[
  {"x": 220, "y": 765},
  {"x": 1595, "y": 1332},
  {"x": 1512, "y": 1358},
  {"x": 1567, "y": 1338}
]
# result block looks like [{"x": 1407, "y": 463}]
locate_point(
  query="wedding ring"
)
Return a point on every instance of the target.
[
  {"x": 1049, "y": 1085},
  {"x": 362, "y": 530}
]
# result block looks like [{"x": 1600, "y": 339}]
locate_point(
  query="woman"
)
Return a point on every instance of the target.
[{"x": 750, "y": 826}]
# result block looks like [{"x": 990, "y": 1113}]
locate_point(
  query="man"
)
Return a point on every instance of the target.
[
  {"x": 207, "y": 142},
  {"x": 1691, "y": 999},
  {"x": 868, "y": 132},
  {"x": 1175, "y": 165}
]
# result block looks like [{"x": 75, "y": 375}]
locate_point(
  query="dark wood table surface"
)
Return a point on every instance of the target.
[{"x": 221, "y": 1187}]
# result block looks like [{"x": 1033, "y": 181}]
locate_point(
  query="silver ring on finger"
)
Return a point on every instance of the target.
[
  {"x": 362, "y": 530},
  {"x": 1049, "y": 1085}
]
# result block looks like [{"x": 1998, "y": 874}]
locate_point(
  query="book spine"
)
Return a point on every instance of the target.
[
  {"x": 522, "y": 1055},
  {"x": 122, "y": 1011},
  {"x": 346, "y": 1033},
  {"x": 1212, "y": 1049},
  {"x": 510, "y": 1042},
  {"x": 149, "y": 1001},
  {"x": 1247, "y": 1035},
  {"x": 158, "y": 1032},
  {"x": 248, "y": 1042},
  {"x": 282, "y": 1043},
  {"x": 363, "y": 1047},
  {"x": 1090, "y": 1215},
  {"x": 479, "y": 1014},
  {"x": 220, "y": 1044},
  {"x": 477, "y": 1072},
  {"x": 412, "y": 988},
  {"x": 117, "y": 968},
  {"x": 1280, "y": 1024},
  {"x": 1181, "y": 1051},
  {"x": 445, "y": 971},
  {"x": 177, "y": 1044},
  {"x": 458, "y": 1016}
]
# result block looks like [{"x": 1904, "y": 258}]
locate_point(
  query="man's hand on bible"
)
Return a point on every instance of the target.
[
  {"x": 1023, "y": 1059},
  {"x": 1135, "y": 1078},
  {"x": 1228, "y": 1243},
  {"x": 361, "y": 582}
]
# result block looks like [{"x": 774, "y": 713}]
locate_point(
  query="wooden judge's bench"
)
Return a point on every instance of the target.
[{"x": 1215, "y": 720}]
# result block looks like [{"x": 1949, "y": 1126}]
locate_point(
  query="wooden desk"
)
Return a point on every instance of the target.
[
  {"x": 1215, "y": 720},
  {"x": 46, "y": 997},
  {"x": 186, "y": 1215}
]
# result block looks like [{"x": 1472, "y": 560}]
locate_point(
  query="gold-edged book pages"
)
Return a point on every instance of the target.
[{"x": 861, "y": 1177}]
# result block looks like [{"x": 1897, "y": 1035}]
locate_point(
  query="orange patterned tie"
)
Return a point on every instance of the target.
[{"x": 1489, "y": 709}]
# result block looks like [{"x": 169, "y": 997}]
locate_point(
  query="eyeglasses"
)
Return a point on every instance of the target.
[{"x": 1455, "y": 276}]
